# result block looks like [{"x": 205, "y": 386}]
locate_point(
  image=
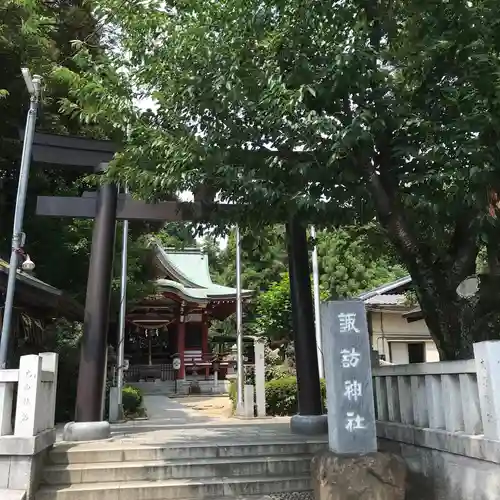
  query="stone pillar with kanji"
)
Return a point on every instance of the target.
[{"x": 352, "y": 467}]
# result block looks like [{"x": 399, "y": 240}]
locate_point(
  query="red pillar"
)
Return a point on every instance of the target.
[
  {"x": 181, "y": 342},
  {"x": 204, "y": 343}
]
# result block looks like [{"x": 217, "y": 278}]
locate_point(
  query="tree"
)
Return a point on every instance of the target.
[
  {"x": 37, "y": 35},
  {"x": 350, "y": 265},
  {"x": 382, "y": 109},
  {"x": 263, "y": 257},
  {"x": 274, "y": 311},
  {"x": 40, "y": 35}
]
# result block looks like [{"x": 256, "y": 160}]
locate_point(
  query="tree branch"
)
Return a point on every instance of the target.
[
  {"x": 391, "y": 217},
  {"x": 463, "y": 248}
]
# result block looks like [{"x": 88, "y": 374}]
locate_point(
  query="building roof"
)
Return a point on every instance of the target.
[
  {"x": 30, "y": 280},
  {"x": 389, "y": 296},
  {"x": 415, "y": 314},
  {"x": 386, "y": 300},
  {"x": 49, "y": 300},
  {"x": 191, "y": 276},
  {"x": 394, "y": 287}
]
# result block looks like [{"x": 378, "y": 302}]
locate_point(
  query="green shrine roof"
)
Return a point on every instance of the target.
[{"x": 189, "y": 276}]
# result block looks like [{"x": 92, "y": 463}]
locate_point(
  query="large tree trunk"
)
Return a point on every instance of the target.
[{"x": 456, "y": 323}]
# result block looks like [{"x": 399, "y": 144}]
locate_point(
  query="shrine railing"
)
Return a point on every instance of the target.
[
  {"x": 431, "y": 395},
  {"x": 35, "y": 405},
  {"x": 453, "y": 397},
  {"x": 163, "y": 372}
]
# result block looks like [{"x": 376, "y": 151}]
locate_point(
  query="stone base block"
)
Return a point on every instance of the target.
[
  {"x": 86, "y": 431},
  {"x": 309, "y": 425},
  {"x": 378, "y": 476},
  {"x": 12, "y": 494}
]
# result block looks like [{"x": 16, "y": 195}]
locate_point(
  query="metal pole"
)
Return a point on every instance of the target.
[
  {"x": 123, "y": 311},
  {"x": 17, "y": 232},
  {"x": 317, "y": 318},
  {"x": 239, "y": 328}
]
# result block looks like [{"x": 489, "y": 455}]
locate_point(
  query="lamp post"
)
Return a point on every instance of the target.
[{"x": 18, "y": 237}]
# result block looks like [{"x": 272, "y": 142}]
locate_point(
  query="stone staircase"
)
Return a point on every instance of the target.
[{"x": 118, "y": 471}]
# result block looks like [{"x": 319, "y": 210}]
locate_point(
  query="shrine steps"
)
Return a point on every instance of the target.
[{"x": 197, "y": 471}]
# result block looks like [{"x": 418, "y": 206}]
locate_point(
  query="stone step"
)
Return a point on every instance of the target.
[
  {"x": 106, "y": 452},
  {"x": 175, "y": 489},
  {"x": 12, "y": 494},
  {"x": 177, "y": 469}
]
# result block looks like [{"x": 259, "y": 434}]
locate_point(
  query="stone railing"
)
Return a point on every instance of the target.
[
  {"x": 430, "y": 395},
  {"x": 444, "y": 420},
  {"x": 23, "y": 446},
  {"x": 36, "y": 381}
]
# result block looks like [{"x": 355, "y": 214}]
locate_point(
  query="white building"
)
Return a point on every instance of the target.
[{"x": 398, "y": 332}]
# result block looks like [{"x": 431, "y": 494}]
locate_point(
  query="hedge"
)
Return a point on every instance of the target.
[{"x": 281, "y": 396}]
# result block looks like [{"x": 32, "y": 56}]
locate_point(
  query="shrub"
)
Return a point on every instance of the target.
[
  {"x": 281, "y": 396},
  {"x": 232, "y": 394},
  {"x": 131, "y": 399}
]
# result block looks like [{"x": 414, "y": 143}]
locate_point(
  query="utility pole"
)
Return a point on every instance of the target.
[
  {"x": 317, "y": 322},
  {"x": 239, "y": 329},
  {"x": 18, "y": 237},
  {"x": 123, "y": 311}
]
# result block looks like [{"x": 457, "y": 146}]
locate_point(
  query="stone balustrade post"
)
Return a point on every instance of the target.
[
  {"x": 487, "y": 357},
  {"x": 6, "y": 396},
  {"x": 216, "y": 382},
  {"x": 260, "y": 377},
  {"x": 50, "y": 362},
  {"x": 28, "y": 396},
  {"x": 248, "y": 401}
]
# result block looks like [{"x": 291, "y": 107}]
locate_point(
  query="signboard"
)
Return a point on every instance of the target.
[
  {"x": 176, "y": 364},
  {"x": 349, "y": 390}
]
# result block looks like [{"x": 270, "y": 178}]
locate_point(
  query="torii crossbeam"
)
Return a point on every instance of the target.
[{"x": 85, "y": 207}]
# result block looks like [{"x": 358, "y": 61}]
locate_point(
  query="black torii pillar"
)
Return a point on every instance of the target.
[
  {"x": 87, "y": 156},
  {"x": 310, "y": 419},
  {"x": 95, "y": 326}
]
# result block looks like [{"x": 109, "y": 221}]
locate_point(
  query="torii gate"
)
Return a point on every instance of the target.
[{"x": 106, "y": 206}]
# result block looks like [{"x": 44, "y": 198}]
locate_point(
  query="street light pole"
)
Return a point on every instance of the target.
[
  {"x": 123, "y": 311},
  {"x": 18, "y": 237},
  {"x": 315, "y": 270},
  {"x": 239, "y": 329}
]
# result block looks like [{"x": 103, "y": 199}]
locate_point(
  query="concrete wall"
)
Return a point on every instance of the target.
[
  {"x": 444, "y": 420},
  {"x": 445, "y": 466},
  {"x": 392, "y": 334},
  {"x": 22, "y": 460}
]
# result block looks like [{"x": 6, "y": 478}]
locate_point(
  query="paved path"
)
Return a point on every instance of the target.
[
  {"x": 160, "y": 407},
  {"x": 172, "y": 422},
  {"x": 274, "y": 431}
]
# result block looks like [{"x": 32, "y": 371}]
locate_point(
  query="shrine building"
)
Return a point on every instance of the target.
[{"x": 174, "y": 322}]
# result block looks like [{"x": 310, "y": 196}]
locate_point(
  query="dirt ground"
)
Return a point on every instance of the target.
[{"x": 211, "y": 406}]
